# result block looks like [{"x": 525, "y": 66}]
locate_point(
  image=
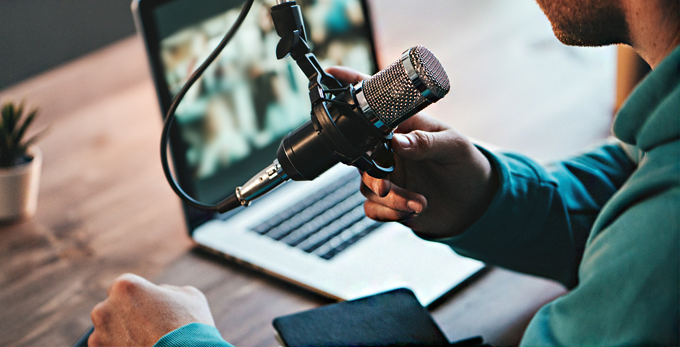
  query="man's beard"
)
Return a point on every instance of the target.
[{"x": 586, "y": 22}]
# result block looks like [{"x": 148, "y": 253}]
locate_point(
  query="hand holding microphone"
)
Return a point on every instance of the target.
[
  {"x": 441, "y": 183},
  {"x": 353, "y": 124},
  {"x": 350, "y": 124}
]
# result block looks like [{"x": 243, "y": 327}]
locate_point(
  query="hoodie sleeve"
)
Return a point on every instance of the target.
[
  {"x": 193, "y": 334},
  {"x": 540, "y": 218}
]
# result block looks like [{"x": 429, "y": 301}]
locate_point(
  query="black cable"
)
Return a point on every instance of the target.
[{"x": 231, "y": 202}]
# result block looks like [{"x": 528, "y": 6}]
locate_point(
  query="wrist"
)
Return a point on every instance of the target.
[
  {"x": 492, "y": 180},
  {"x": 486, "y": 189}
]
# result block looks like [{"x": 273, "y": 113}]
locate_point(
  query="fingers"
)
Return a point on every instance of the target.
[
  {"x": 95, "y": 339},
  {"x": 346, "y": 75},
  {"x": 422, "y": 121},
  {"x": 422, "y": 137},
  {"x": 444, "y": 147},
  {"x": 397, "y": 204},
  {"x": 101, "y": 318},
  {"x": 378, "y": 186},
  {"x": 99, "y": 314},
  {"x": 188, "y": 290},
  {"x": 126, "y": 284}
]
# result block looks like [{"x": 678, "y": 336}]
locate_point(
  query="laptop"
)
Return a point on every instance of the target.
[{"x": 228, "y": 127}]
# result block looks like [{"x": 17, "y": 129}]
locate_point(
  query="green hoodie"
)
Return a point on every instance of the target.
[{"x": 605, "y": 224}]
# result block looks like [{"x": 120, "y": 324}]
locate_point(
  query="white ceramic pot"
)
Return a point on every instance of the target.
[{"x": 19, "y": 188}]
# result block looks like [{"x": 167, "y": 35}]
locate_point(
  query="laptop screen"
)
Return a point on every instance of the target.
[{"x": 231, "y": 121}]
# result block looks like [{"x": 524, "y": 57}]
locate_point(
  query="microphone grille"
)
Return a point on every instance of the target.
[
  {"x": 430, "y": 71},
  {"x": 407, "y": 86}
]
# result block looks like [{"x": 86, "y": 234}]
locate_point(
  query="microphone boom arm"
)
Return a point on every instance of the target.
[{"x": 289, "y": 25}]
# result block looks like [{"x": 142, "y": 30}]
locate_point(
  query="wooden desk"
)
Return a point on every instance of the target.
[{"x": 105, "y": 207}]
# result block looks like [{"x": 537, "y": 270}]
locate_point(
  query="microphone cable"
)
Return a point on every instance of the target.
[{"x": 232, "y": 201}]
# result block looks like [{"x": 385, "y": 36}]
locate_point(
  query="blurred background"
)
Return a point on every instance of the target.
[{"x": 37, "y": 35}]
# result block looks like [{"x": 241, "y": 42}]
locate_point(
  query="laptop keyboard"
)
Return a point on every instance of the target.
[{"x": 324, "y": 224}]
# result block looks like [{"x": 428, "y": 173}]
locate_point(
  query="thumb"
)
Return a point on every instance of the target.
[{"x": 442, "y": 146}]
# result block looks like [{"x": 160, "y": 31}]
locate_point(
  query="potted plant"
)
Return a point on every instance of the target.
[{"x": 20, "y": 163}]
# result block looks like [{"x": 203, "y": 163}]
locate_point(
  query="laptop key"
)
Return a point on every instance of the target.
[
  {"x": 325, "y": 223},
  {"x": 322, "y": 220},
  {"x": 314, "y": 210},
  {"x": 346, "y": 239},
  {"x": 276, "y": 220},
  {"x": 325, "y": 204},
  {"x": 317, "y": 240}
]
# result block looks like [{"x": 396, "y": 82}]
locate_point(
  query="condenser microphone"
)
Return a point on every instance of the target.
[{"x": 355, "y": 126}]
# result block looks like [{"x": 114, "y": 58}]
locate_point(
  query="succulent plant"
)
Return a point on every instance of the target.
[{"x": 13, "y": 126}]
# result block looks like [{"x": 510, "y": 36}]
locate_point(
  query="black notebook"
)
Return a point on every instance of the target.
[{"x": 391, "y": 318}]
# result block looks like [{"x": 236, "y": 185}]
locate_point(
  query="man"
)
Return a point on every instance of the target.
[{"x": 605, "y": 223}]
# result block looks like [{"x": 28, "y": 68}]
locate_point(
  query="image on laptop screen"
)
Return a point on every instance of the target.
[{"x": 232, "y": 120}]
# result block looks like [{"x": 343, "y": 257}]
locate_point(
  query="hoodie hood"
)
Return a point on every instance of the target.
[{"x": 651, "y": 114}]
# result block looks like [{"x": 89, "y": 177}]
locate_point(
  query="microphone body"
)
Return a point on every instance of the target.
[
  {"x": 356, "y": 126},
  {"x": 335, "y": 133}
]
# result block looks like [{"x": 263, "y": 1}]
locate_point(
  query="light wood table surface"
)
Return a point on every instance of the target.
[{"x": 105, "y": 207}]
